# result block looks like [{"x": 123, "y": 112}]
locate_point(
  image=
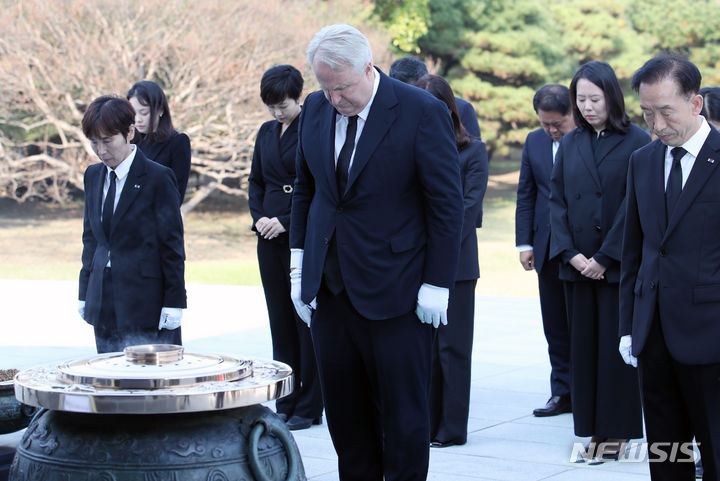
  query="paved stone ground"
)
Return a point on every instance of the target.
[{"x": 510, "y": 377}]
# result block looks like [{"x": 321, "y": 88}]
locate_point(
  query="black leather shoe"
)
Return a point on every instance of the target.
[
  {"x": 297, "y": 423},
  {"x": 445, "y": 444},
  {"x": 555, "y": 405}
]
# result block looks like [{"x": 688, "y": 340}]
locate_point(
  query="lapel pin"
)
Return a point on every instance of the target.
[
  {"x": 137, "y": 186},
  {"x": 712, "y": 161}
]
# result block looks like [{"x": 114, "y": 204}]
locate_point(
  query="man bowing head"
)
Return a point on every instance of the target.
[{"x": 375, "y": 234}]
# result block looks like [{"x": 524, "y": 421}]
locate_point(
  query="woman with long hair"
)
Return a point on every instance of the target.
[
  {"x": 452, "y": 349},
  {"x": 587, "y": 211}
]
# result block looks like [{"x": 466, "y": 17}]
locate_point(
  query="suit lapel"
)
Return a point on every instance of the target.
[
  {"x": 585, "y": 150},
  {"x": 379, "y": 120},
  {"x": 608, "y": 143},
  {"x": 133, "y": 185},
  {"x": 704, "y": 166},
  {"x": 96, "y": 201},
  {"x": 546, "y": 158},
  {"x": 656, "y": 172},
  {"x": 323, "y": 123}
]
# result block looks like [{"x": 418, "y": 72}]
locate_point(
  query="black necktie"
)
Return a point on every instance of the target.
[
  {"x": 674, "y": 185},
  {"x": 343, "y": 162},
  {"x": 109, "y": 205}
]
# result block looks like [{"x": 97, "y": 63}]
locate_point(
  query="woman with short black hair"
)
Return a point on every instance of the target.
[{"x": 272, "y": 177}]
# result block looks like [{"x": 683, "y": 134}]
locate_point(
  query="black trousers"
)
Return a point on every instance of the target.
[
  {"x": 111, "y": 337},
  {"x": 375, "y": 377},
  {"x": 680, "y": 401},
  {"x": 451, "y": 365},
  {"x": 555, "y": 325},
  {"x": 604, "y": 390},
  {"x": 291, "y": 339}
]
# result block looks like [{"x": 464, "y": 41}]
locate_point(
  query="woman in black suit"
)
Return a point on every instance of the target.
[
  {"x": 452, "y": 349},
  {"x": 587, "y": 210},
  {"x": 272, "y": 176},
  {"x": 155, "y": 134}
]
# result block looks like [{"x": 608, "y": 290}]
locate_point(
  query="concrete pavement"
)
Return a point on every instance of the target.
[{"x": 510, "y": 377}]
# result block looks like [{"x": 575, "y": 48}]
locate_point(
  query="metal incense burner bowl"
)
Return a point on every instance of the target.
[{"x": 156, "y": 413}]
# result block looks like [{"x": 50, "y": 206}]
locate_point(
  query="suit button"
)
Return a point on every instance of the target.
[
  {"x": 652, "y": 285},
  {"x": 663, "y": 252},
  {"x": 339, "y": 209},
  {"x": 597, "y": 228},
  {"x": 577, "y": 196},
  {"x": 598, "y": 194}
]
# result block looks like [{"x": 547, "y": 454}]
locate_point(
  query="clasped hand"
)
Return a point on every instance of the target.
[
  {"x": 269, "y": 228},
  {"x": 589, "y": 268}
]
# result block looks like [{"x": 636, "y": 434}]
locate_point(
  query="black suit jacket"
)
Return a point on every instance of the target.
[
  {"x": 474, "y": 175},
  {"x": 468, "y": 117},
  {"x": 532, "y": 212},
  {"x": 673, "y": 265},
  {"x": 173, "y": 153},
  {"x": 145, "y": 245},
  {"x": 587, "y": 203},
  {"x": 399, "y": 221},
  {"x": 272, "y": 173}
]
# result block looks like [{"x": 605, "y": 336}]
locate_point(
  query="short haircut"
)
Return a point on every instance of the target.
[
  {"x": 151, "y": 95},
  {"x": 552, "y": 98},
  {"x": 106, "y": 116},
  {"x": 439, "y": 87},
  {"x": 340, "y": 46},
  {"x": 711, "y": 103},
  {"x": 279, "y": 83},
  {"x": 408, "y": 69},
  {"x": 673, "y": 66},
  {"x": 603, "y": 76}
]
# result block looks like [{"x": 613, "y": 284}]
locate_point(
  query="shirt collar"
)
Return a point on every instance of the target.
[
  {"x": 695, "y": 143},
  {"x": 124, "y": 167},
  {"x": 376, "y": 82}
]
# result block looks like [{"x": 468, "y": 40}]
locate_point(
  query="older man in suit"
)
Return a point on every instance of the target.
[
  {"x": 532, "y": 235},
  {"x": 132, "y": 286},
  {"x": 375, "y": 234},
  {"x": 669, "y": 288}
]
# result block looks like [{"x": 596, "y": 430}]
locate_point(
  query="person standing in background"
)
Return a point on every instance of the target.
[
  {"x": 452, "y": 349},
  {"x": 532, "y": 235},
  {"x": 272, "y": 175},
  {"x": 155, "y": 134},
  {"x": 711, "y": 105},
  {"x": 410, "y": 69},
  {"x": 587, "y": 212}
]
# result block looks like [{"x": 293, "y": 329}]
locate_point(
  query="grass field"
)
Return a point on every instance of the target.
[{"x": 42, "y": 241}]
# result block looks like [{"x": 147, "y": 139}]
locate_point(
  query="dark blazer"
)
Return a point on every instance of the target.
[
  {"x": 272, "y": 173},
  {"x": 173, "y": 153},
  {"x": 587, "y": 204},
  {"x": 675, "y": 264},
  {"x": 468, "y": 117},
  {"x": 398, "y": 224},
  {"x": 145, "y": 246},
  {"x": 532, "y": 212},
  {"x": 474, "y": 175}
]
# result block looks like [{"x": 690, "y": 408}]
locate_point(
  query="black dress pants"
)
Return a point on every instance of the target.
[
  {"x": 680, "y": 401},
  {"x": 291, "y": 339},
  {"x": 451, "y": 365},
  {"x": 114, "y": 336},
  {"x": 555, "y": 325},
  {"x": 375, "y": 377}
]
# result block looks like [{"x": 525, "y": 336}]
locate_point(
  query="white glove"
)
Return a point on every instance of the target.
[
  {"x": 303, "y": 310},
  {"x": 625, "y": 349},
  {"x": 170, "y": 318},
  {"x": 432, "y": 303},
  {"x": 81, "y": 309}
]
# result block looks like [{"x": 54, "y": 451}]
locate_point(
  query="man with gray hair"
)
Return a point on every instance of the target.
[{"x": 374, "y": 237}]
